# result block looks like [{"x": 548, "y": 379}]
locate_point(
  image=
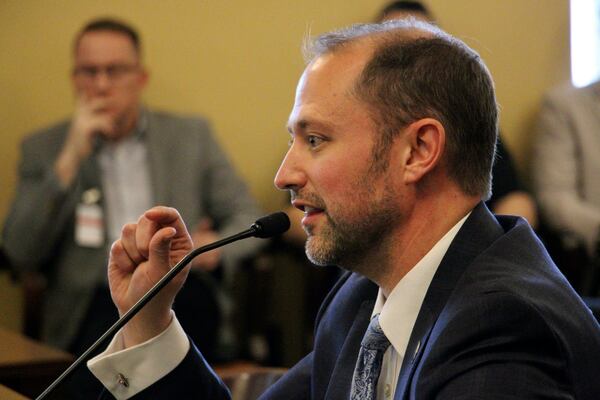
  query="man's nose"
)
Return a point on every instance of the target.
[
  {"x": 102, "y": 81},
  {"x": 291, "y": 175}
]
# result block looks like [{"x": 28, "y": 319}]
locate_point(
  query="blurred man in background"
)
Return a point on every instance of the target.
[{"x": 81, "y": 180}]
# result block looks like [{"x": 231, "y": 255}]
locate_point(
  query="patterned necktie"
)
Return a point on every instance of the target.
[{"x": 368, "y": 365}]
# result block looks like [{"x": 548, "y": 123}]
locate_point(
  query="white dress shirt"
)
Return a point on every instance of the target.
[
  {"x": 126, "y": 184},
  {"x": 126, "y": 372},
  {"x": 398, "y": 313}
]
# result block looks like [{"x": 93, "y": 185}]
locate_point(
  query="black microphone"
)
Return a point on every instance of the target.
[
  {"x": 264, "y": 227},
  {"x": 271, "y": 225}
]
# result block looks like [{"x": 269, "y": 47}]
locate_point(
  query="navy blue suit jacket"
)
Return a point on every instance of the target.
[{"x": 498, "y": 321}]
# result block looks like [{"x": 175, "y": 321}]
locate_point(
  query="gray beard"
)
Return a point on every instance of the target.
[{"x": 352, "y": 244}]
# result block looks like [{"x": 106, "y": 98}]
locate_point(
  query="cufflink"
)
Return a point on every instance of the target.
[{"x": 121, "y": 380}]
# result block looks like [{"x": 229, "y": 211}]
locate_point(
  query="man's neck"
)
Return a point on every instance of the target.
[{"x": 422, "y": 229}]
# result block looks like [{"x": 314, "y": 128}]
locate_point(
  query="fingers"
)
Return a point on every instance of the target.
[
  {"x": 159, "y": 233},
  {"x": 160, "y": 246},
  {"x": 89, "y": 120},
  {"x": 166, "y": 216},
  {"x": 155, "y": 219},
  {"x": 128, "y": 239},
  {"x": 97, "y": 104},
  {"x": 92, "y": 116},
  {"x": 125, "y": 252},
  {"x": 120, "y": 258},
  {"x": 89, "y": 103}
]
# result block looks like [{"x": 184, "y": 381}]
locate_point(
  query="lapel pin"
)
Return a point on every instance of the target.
[{"x": 417, "y": 350}]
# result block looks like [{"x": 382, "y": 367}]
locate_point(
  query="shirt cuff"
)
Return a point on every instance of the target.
[{"x": 126, "y": 372}]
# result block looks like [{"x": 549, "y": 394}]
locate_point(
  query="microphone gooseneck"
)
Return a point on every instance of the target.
[{"x": 265, "y": 227}]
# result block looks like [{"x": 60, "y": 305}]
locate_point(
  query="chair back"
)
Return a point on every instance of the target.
[{"x": 251, "y": 383}]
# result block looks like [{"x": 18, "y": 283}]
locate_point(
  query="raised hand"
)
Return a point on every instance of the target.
[
  {"x": 144, "y": 254},
  {"x": 90, "y": 120}
]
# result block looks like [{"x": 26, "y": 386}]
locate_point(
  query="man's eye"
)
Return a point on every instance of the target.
[{"x": 314, "y": 141}]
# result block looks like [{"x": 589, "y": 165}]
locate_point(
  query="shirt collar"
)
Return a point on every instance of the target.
[{"x": 399, "y": 311}]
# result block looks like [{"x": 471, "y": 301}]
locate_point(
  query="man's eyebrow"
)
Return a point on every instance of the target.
[
  {"x": 299, "y": 125},
  {"x": 304, "y": 124}
]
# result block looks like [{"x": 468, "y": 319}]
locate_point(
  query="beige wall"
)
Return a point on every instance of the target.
[{"x": 237, "y": 63}]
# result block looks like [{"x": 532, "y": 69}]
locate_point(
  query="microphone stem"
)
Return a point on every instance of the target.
[{"x": 168, "y": 277}]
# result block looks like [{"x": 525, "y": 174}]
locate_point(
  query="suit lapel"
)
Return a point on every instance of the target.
[
  {"x": 479, "y": 231},
  {"x": 157, "y": 142},
  {"x": 414, "y": 350}
]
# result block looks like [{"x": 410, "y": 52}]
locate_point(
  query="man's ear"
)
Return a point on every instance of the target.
[
  {"x": 426, "y": 140},
  {"x": 143, "y": 77}
]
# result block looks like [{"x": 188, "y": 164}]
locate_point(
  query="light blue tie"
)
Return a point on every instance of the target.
[{"x": 368, "y": 365}]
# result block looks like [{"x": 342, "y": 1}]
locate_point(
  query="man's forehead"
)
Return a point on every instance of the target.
[
  {"x": 332, "y": 73},
  {"x": 105, "y": 43},
  {"x": 353, "y": 54},
  {"x": 324, "y": 91}
]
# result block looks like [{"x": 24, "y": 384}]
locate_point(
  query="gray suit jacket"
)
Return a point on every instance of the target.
[
  {"x": 567, "y": 162},
  {"x": 189, "y": 171}
]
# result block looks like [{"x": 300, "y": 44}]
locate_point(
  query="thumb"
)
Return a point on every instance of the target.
[{"x": 160, "y": 249}]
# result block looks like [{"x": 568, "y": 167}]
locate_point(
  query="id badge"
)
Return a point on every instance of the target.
[{"x": 89, "y": 220}]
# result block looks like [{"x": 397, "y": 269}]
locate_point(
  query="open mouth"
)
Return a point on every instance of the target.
[
  {"x": 311, "y": 214},
  {"x": 309, "y": 210}
]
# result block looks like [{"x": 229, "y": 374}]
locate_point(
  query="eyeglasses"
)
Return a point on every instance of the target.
[{"x": 114, "y": 72}]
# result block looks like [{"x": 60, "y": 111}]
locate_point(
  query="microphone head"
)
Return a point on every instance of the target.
[{"x": 271, "y": 225}]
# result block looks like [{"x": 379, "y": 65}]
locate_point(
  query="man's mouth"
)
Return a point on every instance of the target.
[
  {"x": 311, "y": 215},
  {"x": 312, "y": 207},
  {"x": 309, "y": 210}
]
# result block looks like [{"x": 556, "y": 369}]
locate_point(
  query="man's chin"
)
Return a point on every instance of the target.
[{"x": 317, "y": 252}]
